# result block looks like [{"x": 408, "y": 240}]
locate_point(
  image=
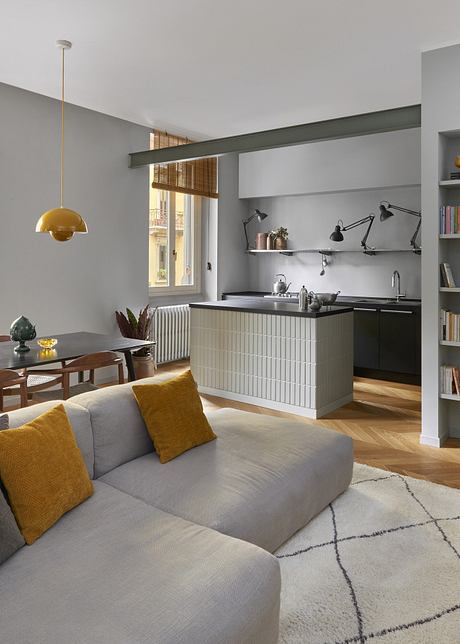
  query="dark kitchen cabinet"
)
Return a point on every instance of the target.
[
  {"x": 366, "y": 338},
  {"x": 399, "y": 349}
]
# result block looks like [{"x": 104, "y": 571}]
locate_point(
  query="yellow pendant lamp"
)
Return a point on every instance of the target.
[{"x": 61, "y": 223}]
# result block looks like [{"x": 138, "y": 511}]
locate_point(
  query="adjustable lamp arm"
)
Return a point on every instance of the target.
[
  {"x": 364, "y": 220},
  {"x": 387, "y": 205},
  {"x": 337, "y": 234}
]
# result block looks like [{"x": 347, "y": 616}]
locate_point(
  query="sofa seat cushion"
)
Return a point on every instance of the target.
[
  {"x": 115, "y": 570},
  {"x": 262, "y": 479}
]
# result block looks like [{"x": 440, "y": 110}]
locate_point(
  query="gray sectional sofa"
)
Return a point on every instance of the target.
[{"x": 173, "y": 553}]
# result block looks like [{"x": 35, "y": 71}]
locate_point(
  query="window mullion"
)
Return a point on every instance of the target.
[{"x": 172, "y": 238}]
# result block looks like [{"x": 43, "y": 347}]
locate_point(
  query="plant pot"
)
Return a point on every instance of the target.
[
  {"x": 143, "y": 366},
  {"x": 280, "y": 243}
]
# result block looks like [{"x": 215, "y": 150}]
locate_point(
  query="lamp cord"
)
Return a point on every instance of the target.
[{"x": 62, "y": 129}]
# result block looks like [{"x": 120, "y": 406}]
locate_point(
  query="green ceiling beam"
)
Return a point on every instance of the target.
[{"x": 401, "y": 118}]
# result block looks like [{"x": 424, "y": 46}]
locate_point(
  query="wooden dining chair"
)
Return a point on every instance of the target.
[
  {"x": 34, "y": 381},
  {"x": 89, "y": 363},
  {"x": 13, "y": 383}
]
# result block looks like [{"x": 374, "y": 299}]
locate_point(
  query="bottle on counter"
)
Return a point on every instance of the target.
[{"x": 303, "y": 299}]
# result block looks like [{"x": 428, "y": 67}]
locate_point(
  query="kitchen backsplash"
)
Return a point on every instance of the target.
[{"x": 310, "y": 219}]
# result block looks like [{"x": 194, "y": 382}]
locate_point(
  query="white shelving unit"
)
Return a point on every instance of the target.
[
  {"x": 448, "y": 194},
  {"x": 449, "y": 397},
  {"x": 450, "y": 184}
]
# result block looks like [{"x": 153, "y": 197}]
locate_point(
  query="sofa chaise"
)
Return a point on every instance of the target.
[{"x": 172, "y": 553}]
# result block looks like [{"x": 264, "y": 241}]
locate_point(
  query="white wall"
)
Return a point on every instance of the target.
[
  {"x": 76, "y": 285},
  {"x": 310, "y": 219}
]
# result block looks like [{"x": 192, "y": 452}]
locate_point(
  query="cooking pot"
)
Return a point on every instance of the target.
[{"x": 280, "y": 286}]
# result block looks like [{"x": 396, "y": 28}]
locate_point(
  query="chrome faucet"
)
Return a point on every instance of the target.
[{"x": 396, "y": 285}]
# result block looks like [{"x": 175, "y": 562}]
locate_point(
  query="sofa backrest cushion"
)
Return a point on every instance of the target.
[
  {"x": 79, "y": 419},
  {"x": 10, "y": 537},
  {"x": 119, "y": 431}
]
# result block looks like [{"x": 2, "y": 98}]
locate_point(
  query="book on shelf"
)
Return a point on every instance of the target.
[
  {"x": 454, "y": 175},
  {"x": 447, "y": 277},
  {"x": 449, "y": 217},
  {"x": 450, "y": 380},
  {"x": 449, "y": 326}
]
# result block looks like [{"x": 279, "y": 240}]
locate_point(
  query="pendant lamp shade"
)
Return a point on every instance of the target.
[{"x": 61, "y": 223}]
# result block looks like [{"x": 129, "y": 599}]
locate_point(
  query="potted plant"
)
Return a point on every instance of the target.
[
  {"x": 139, "y": 328},
  {"x": 280, "y": 236}
]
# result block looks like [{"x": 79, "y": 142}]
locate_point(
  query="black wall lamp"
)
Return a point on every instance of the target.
[
  {"x": 337, "y": 235},
  {"x": 385, "y": 214},
  {"x": 260, "y": 216}
]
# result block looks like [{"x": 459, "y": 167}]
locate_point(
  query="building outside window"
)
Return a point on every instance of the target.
[{"x": 174, "y": 242}]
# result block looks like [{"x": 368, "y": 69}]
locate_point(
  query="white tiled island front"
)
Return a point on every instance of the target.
[{"x": 272, "y": 354}]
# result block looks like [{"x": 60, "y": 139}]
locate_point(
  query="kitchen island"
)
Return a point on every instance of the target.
[{"x": 271, "y": 354}]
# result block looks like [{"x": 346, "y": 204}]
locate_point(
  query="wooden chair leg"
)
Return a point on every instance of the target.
[
  {"x": 24, "y": 398},
  {"x": 65, "y": 386},
  {"x": 91, "y": 376},
  {"x": 1, "y": 400},
  {"x": 121, "y": 374}
]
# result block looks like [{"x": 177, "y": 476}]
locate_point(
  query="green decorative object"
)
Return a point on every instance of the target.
[{"x": 21, "y": 330}]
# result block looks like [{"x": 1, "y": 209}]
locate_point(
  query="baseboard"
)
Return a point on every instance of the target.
[
  {"x": 433, "y": 441},
  {"x": 306, "y": 412}
]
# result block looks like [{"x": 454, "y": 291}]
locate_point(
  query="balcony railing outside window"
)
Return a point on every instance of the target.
[{"x": 158, "y": 218}]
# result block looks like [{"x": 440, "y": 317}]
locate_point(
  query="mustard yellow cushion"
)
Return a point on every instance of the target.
[
  {"x": 43, "y": 472},
  {"x": 173, "y": 413}
]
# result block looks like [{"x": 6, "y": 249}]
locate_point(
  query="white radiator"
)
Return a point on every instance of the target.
[{"x": 171, "y": 332}]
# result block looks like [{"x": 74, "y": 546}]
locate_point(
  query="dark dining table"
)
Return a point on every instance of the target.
[{"x": 68, "y": 347}]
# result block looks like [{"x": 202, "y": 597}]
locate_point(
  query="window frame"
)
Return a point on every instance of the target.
[{"x": 183, "y": 289}]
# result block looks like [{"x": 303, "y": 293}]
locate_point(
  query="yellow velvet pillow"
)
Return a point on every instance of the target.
[
  {"x": 173, "y": 413},
  {"x": 43, "y": 472}
]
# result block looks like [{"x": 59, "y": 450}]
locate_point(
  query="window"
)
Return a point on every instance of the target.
[{"x": 174, "y": 242}]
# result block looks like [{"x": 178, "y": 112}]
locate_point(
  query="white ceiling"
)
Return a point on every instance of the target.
[{"x": 219, "y": 67}]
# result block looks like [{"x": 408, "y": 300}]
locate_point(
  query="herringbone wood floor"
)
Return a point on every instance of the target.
[{"x": 384, "y": 422}]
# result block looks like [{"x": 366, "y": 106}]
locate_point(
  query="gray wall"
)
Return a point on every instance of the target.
[
  {"x": 391, "y": 159},
  {"x": 76, "y": 285},
  {"x": 232, "y": 260},
  {"x": 310, "y": 219}
]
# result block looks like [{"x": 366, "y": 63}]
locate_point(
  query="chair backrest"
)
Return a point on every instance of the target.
[
  {"x": 10, "y": 378},
  {"x": 92, "y": 361}
]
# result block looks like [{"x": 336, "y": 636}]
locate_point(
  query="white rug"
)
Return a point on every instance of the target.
[{"x": 382, "y": 563}]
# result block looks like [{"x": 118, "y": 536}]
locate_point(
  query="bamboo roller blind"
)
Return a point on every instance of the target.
[{"x": 198, "y": 177}]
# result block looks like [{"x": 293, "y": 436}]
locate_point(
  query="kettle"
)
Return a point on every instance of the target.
[{"x": 280, "y": 286}]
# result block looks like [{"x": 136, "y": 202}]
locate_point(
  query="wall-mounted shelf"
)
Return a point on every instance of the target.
[
  {"x": 451, "y": 184},
  {"x": 449, "y": 396},
  {"x": 449, "y": 343},
  {"x": 447, "y": 289},
  {"x": 451, "y": 236},
  {"x": 331, "y": 251}
]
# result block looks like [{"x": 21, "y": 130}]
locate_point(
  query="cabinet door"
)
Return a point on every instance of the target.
[
  {"x": 366, "y": 338},
  {"x": 398, "y": 341}
]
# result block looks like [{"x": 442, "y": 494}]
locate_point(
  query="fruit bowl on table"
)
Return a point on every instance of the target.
[{"x": 47, "y": 343}]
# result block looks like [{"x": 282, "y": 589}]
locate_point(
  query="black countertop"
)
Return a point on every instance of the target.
[
  {"x": 259, "y": 305},
  {"x": 354, "y": 301}
]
